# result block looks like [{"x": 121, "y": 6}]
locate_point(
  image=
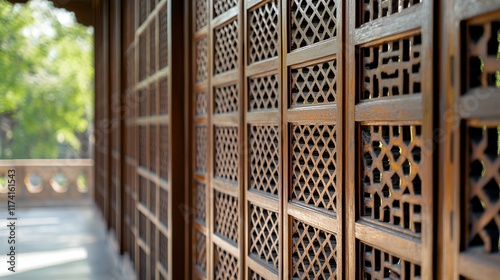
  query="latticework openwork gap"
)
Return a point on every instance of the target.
[
  {"x": 226, "y": 153},
  {"x": 201, "y": 59},
  {"x": 201, "y": 148},
  {"x": 264, "y": 236},
  {"x": 312, "y": 22},
  {"x": 263, "y": 32},
  {"x": 264, "y": 158},
  {"x": 484, "y": 189},
  {"x": 375, "y": 9},
  {"x": 314, "y": 252},
  {"x": 226, "y": 216},
  {"x": 221, "y": 6},
  {"x": 226, "y": 265},
  {"x": 201, "y": 251},
  {"x": 201, "y": 8},
  {"x": 483, "y": 52},
  {"x": 263, "y": 93},
  {"x": 226, "y": 47},
  {"x": 392, "y": 187},
  {"x": 392, "y": 68},
  {"x": 314, "y": 165},
  {"x": 381, "y": 265},
  {"x": 226, "y": 99},
  {"x": 315, "y": 84}
]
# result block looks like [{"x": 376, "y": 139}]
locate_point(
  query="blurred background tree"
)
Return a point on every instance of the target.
[{"x": 46, "y": 82}]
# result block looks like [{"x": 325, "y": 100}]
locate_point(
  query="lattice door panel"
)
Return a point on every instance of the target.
[
  {"x": 312, "y": 145},
  {"x": 262, "y": 169},
  {"x": 389, "y": 166},
  {"x": 476, "y": 148}
]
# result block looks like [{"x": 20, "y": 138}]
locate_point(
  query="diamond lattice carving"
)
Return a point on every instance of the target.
[
  {"x": 312, "y": 21},
  {"x": 375, "y": 9},
  {"x": 200, "y": 202},
  {"x": 264, "y": 158},
  {"x": 226, "y": 216},
  {"x": 390, "y": 173},
  {"x": 201, "y": 148},
  {"x": 314, "y": 165},
  {"x": 201, "y": 59},
  {"x": 226, "y": 265},
  {"x": 226, "y": 153},
  {"x": 264, "y": 236},
  {"x": 314, "y": 252},
  {"x": 381, "y": 265},
  {"x": 484, "y": 189},
  {"x": 221, "y": 6},
  {"x": 263, "y": 93},
  {"x": 201, "y": 14},
  {"x": 201, "y": 251},
  {"x": 163, "y": 96},
  {"x": 263, "y": 32},
  {"x": 226, "y": 99},
  {"x": 152, "y": 148},
  {"x": 163, "y": 35},
  {"x": 226, "y": 48},
  {"x": 315, "y": 84},
  {"x": 392, "y": 68},
  {"x": 255, "y": 276},
  {"x": 201, "y": 103},
  {"x": 164, "y": 152}
]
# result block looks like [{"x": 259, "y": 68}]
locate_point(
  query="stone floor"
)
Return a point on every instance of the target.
[{"x": 60, "y": 243}]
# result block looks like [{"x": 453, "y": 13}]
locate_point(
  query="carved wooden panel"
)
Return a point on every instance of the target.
[
  {"x": 226, "y": 153},
  {"x": 264, "y": 236},
  {"x": 392, "y": 68},
  {"x": 312, "y": 22},
  {"x": 226, "y": 47},
  {"x": 201, "y": 14},
  {"x": 263, "y": 93},
  {"x": 382, "y": 265},
  {"x": 226, "y": 216},
  {"x": 264, "y": 158},
  {"x": 314, "y": 84},
  {"x": 202, "y": 59},
  {"x": 313, "y": 166},
  {"x": 222, "y": 6},
  {"x": 390, "y": 188},
  {"x": 314, "y": 252},
  {"x": 226, "y": 99},
  {"x": 201, "y": 251},
  {"x": 263, "y": 32},
  {"x": 226, "y": 265}
]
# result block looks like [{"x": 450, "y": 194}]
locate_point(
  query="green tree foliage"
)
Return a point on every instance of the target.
[{"x": 46, "y": 82}]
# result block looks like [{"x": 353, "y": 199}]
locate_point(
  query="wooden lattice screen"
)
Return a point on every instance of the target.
[{"x": 324, "y": 139}]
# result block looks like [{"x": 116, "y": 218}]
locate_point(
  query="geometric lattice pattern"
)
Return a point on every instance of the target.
[
  {"x": 226, "y": 99},
  {"x": 164, "y": 152},
  {"x": 381, "y": 265},
  {"x": 221, "y": 6},
  {"x": 264, "y": 158},
  {"x": 483, "y": 193},
  {"x": 163, "y": 35},
  {"x": 392, "y": 68},
  {"x": 314, "y": 252},
  {"x": 201, "y": 59},
  {"x": 312, "y": 22},
  {"x": 226, "y": 153},
  {"x": 264, "y": 236},
  {"x": 226, "y": 216},
  {"x": 226, "y": 47},
  {"x": 201, "y": 13},
  {"x": 226, "y": 266},
  {"x": 263, "y": 32},
  {"x": 315, "y": 84},
  {"x": 201, "y": 103},
  {"x": 390, "y": 176},
  {"x": 201, "y": 148},
  {"x": 375, "y": 9},
  {"x": 201, "y": 251},
  {"x": 483, "y": 52},
  {"x": 163, "y": 215},
  {"x": 314, "y": 165},
  {"x": 255, "y": 276},
  {"x": 200, "y": 202},
  {"x": 263, "y": 93}
]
